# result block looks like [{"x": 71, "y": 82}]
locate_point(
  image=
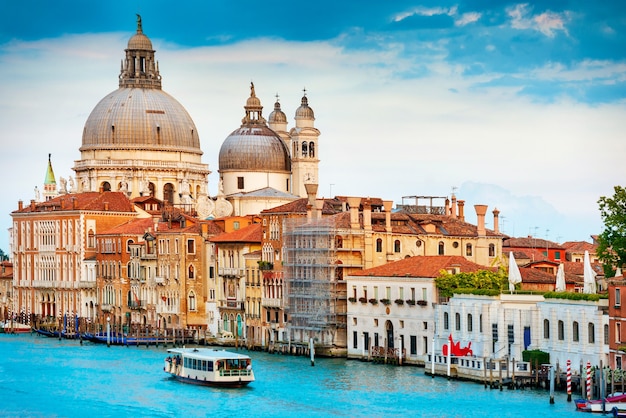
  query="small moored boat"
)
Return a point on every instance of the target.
[
  {"x": 602, "y": 405},
  {"x": 207, "y": 366}
]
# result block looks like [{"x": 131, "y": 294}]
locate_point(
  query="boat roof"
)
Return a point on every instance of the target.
[{"x": 207, "y": 354}]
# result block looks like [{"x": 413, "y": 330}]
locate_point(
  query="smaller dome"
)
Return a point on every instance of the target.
[
  {"x": 304, "y": 111},
  {"x": 277, "y": 116},
  {"x": 253, "y": 101},
  {"x": 140, "y": 41}
]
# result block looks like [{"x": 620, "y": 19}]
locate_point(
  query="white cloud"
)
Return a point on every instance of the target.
[
  {"x": 547, "y": 22},
  {"x": 467, "y": 18},
  {"x": 425, "y": 11}
]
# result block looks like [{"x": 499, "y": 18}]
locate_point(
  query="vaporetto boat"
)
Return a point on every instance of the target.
[{"x": 211, "y": 367}]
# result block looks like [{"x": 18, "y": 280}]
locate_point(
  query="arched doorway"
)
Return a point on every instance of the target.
[
  {"x": 389, "y": 329},
  {"x": 106, "y": 186},
  {"x": 168, "y": 193}
]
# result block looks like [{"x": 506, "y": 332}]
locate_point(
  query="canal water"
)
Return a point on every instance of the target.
[{"x": 46, "y": 377}]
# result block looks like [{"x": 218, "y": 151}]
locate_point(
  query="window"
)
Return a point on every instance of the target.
[
  {"x": 546, "y": 329},
  {"x": 355, "y": 339},
  {"x": 557, "y": 255},
  {"x": 618, "y": 297},
  {"x": 192, "y": 301},
  {"x": 446, "y": 324},
  {"x": 606, "y": 336},
  {"x": 561, "y": 329},
  {"x": 375, "y": 339},
  {"x": 457, "y": 321},
  {"x": 366, "y": 340},
  {"x": 379, "y": 245},
  {"x": 240, "y": 183},
  {"x": 304, "y": 149},
  {"x": 468, "y": 250},
  {"x": 575, "y": 332},
  {"x": 441, "y": 248},
  {"x": 591, "y": 330},
  {"x": 413, "y": 345},
  {"x": 312, "y": 149},
  {"x": 91, "y": 239},
  {"x": 470, "y": 325},
  {"x": 492, "y": 250},
  {"x": 618, "y": 332},
  {"x": 396, "y": 246},
  {"x": 191, "y": 272},
  {"x": 191, "y": 246}
]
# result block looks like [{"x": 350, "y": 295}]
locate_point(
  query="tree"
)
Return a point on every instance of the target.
[
  {"x": 447, "y": 283},
  {"x": 612, "y": 241},
  {"x": 3, "y": 256}
]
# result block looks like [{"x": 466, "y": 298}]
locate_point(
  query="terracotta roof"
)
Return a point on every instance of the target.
[
  {"x": 531, "y": 242},
  {"x": 141, "y": 225},
  {"x": 533, "y": 275},
  {"x": 423, "y": 266},
  {"x": 88, "y": 201},
  {"x": 300, "y": 206},
  {"x": 251, "y": 233},
  {"x": 579, "y": 246}
]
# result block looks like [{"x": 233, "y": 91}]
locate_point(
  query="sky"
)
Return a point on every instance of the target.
[{"x": 520, "y": 106}]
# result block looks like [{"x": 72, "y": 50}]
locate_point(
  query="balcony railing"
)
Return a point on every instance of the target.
[
  {"x": 272, "y": 302},
  {"x": 230, "y": 271}
]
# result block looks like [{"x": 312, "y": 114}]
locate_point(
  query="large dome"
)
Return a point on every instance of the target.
[
  {"x": 254, "y": 148},
  {"x": 145, "y": 119}
]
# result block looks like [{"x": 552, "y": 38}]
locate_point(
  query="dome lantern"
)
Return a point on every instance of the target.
[{"x": 139, "y": 68}]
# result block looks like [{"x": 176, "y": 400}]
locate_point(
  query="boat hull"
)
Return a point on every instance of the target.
[{"x": 227, "y": 384}]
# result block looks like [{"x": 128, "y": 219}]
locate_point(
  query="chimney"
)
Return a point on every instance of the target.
[
  {"x": 311, "y": 191},
  {"x": 481, "y": 210},
  {"x": 447, "y": 208},
  {"x": 20, "y": 205},
  {"x": 32, "y": 204},
  {"x": 388, "y": 204},
  {"x": 367, "y": 214},
  {"x": 319, "y": 205},
  {"x": 354, "y": 202},
  {"x": 496, "y": 221},
  {"x": 453, "y": 210},
  {"x": 106, "y": 206},
  {"x": 461, "y": 204}
]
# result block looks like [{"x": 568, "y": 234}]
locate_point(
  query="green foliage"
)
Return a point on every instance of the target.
[
  {"x": 534, "y": 355},
  {"x": 485, "y": 280},
  {"x": 572, "y": 296},
  {"x": 612, "y": 241}
]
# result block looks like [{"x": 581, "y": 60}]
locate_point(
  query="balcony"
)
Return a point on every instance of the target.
[
  {"x": 106, "y": 308},
  {"x": 137, "y": 305},
  {"x": 84, "y": 284},
  {"x": 232, "y": 272},
  {"x": 159, "y": 280},
  {"x": 272, "y": 302}
]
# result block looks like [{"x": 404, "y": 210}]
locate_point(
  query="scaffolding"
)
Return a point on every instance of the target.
[{"x": 315, "y": 297}]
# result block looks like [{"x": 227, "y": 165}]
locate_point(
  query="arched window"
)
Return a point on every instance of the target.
[
  {"x": 379, "y": 245},
  {"x": 192, "y": 301},
  {"x": 546, "y": 329},
  {"x": 191, "y": 272},
  {"x": 561, "y": 329},
  {"x": 106, "y": 186},
  {"x": 151, "y": 188},
  {"x": 304, "y": 148},
  {"x": 592, "y": 333},
  {"x": 446, "y": 321},
  {"x": 396, "y": 246},
  {"x": 168, "y": 193},
  {"x": 470, "y": 325},
  {"x": 468, "y": 250},
  {"x": 312, "y": 149},
  {"x": 441, "y": 248},
  {"x": 338, "y": 242},
  {"x": 457, "y": 321},
  {"x": 339, "y": 271},
  {"x": 575, "y": 332},
  {"x": 492, "y": 250},
  {"x": 91, "y": 239}
]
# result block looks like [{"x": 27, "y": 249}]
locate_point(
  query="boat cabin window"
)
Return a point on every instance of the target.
[{"x": 204, "y": 365}]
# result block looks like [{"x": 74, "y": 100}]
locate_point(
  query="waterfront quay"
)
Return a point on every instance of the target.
[{"x": 42, "y": 376}]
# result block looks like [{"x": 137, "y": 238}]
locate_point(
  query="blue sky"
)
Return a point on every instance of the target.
[{"x": 519, "y": 106}]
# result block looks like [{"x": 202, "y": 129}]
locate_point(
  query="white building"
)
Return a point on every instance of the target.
[{"x": 503, "y": 326}]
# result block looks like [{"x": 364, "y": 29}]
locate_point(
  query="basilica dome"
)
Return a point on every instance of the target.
[
  {"x": 140, "y": 119},
  {"x": 254, "y": 148}
]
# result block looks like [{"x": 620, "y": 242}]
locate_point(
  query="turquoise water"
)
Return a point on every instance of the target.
[{"x": 45, "y": 377}]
